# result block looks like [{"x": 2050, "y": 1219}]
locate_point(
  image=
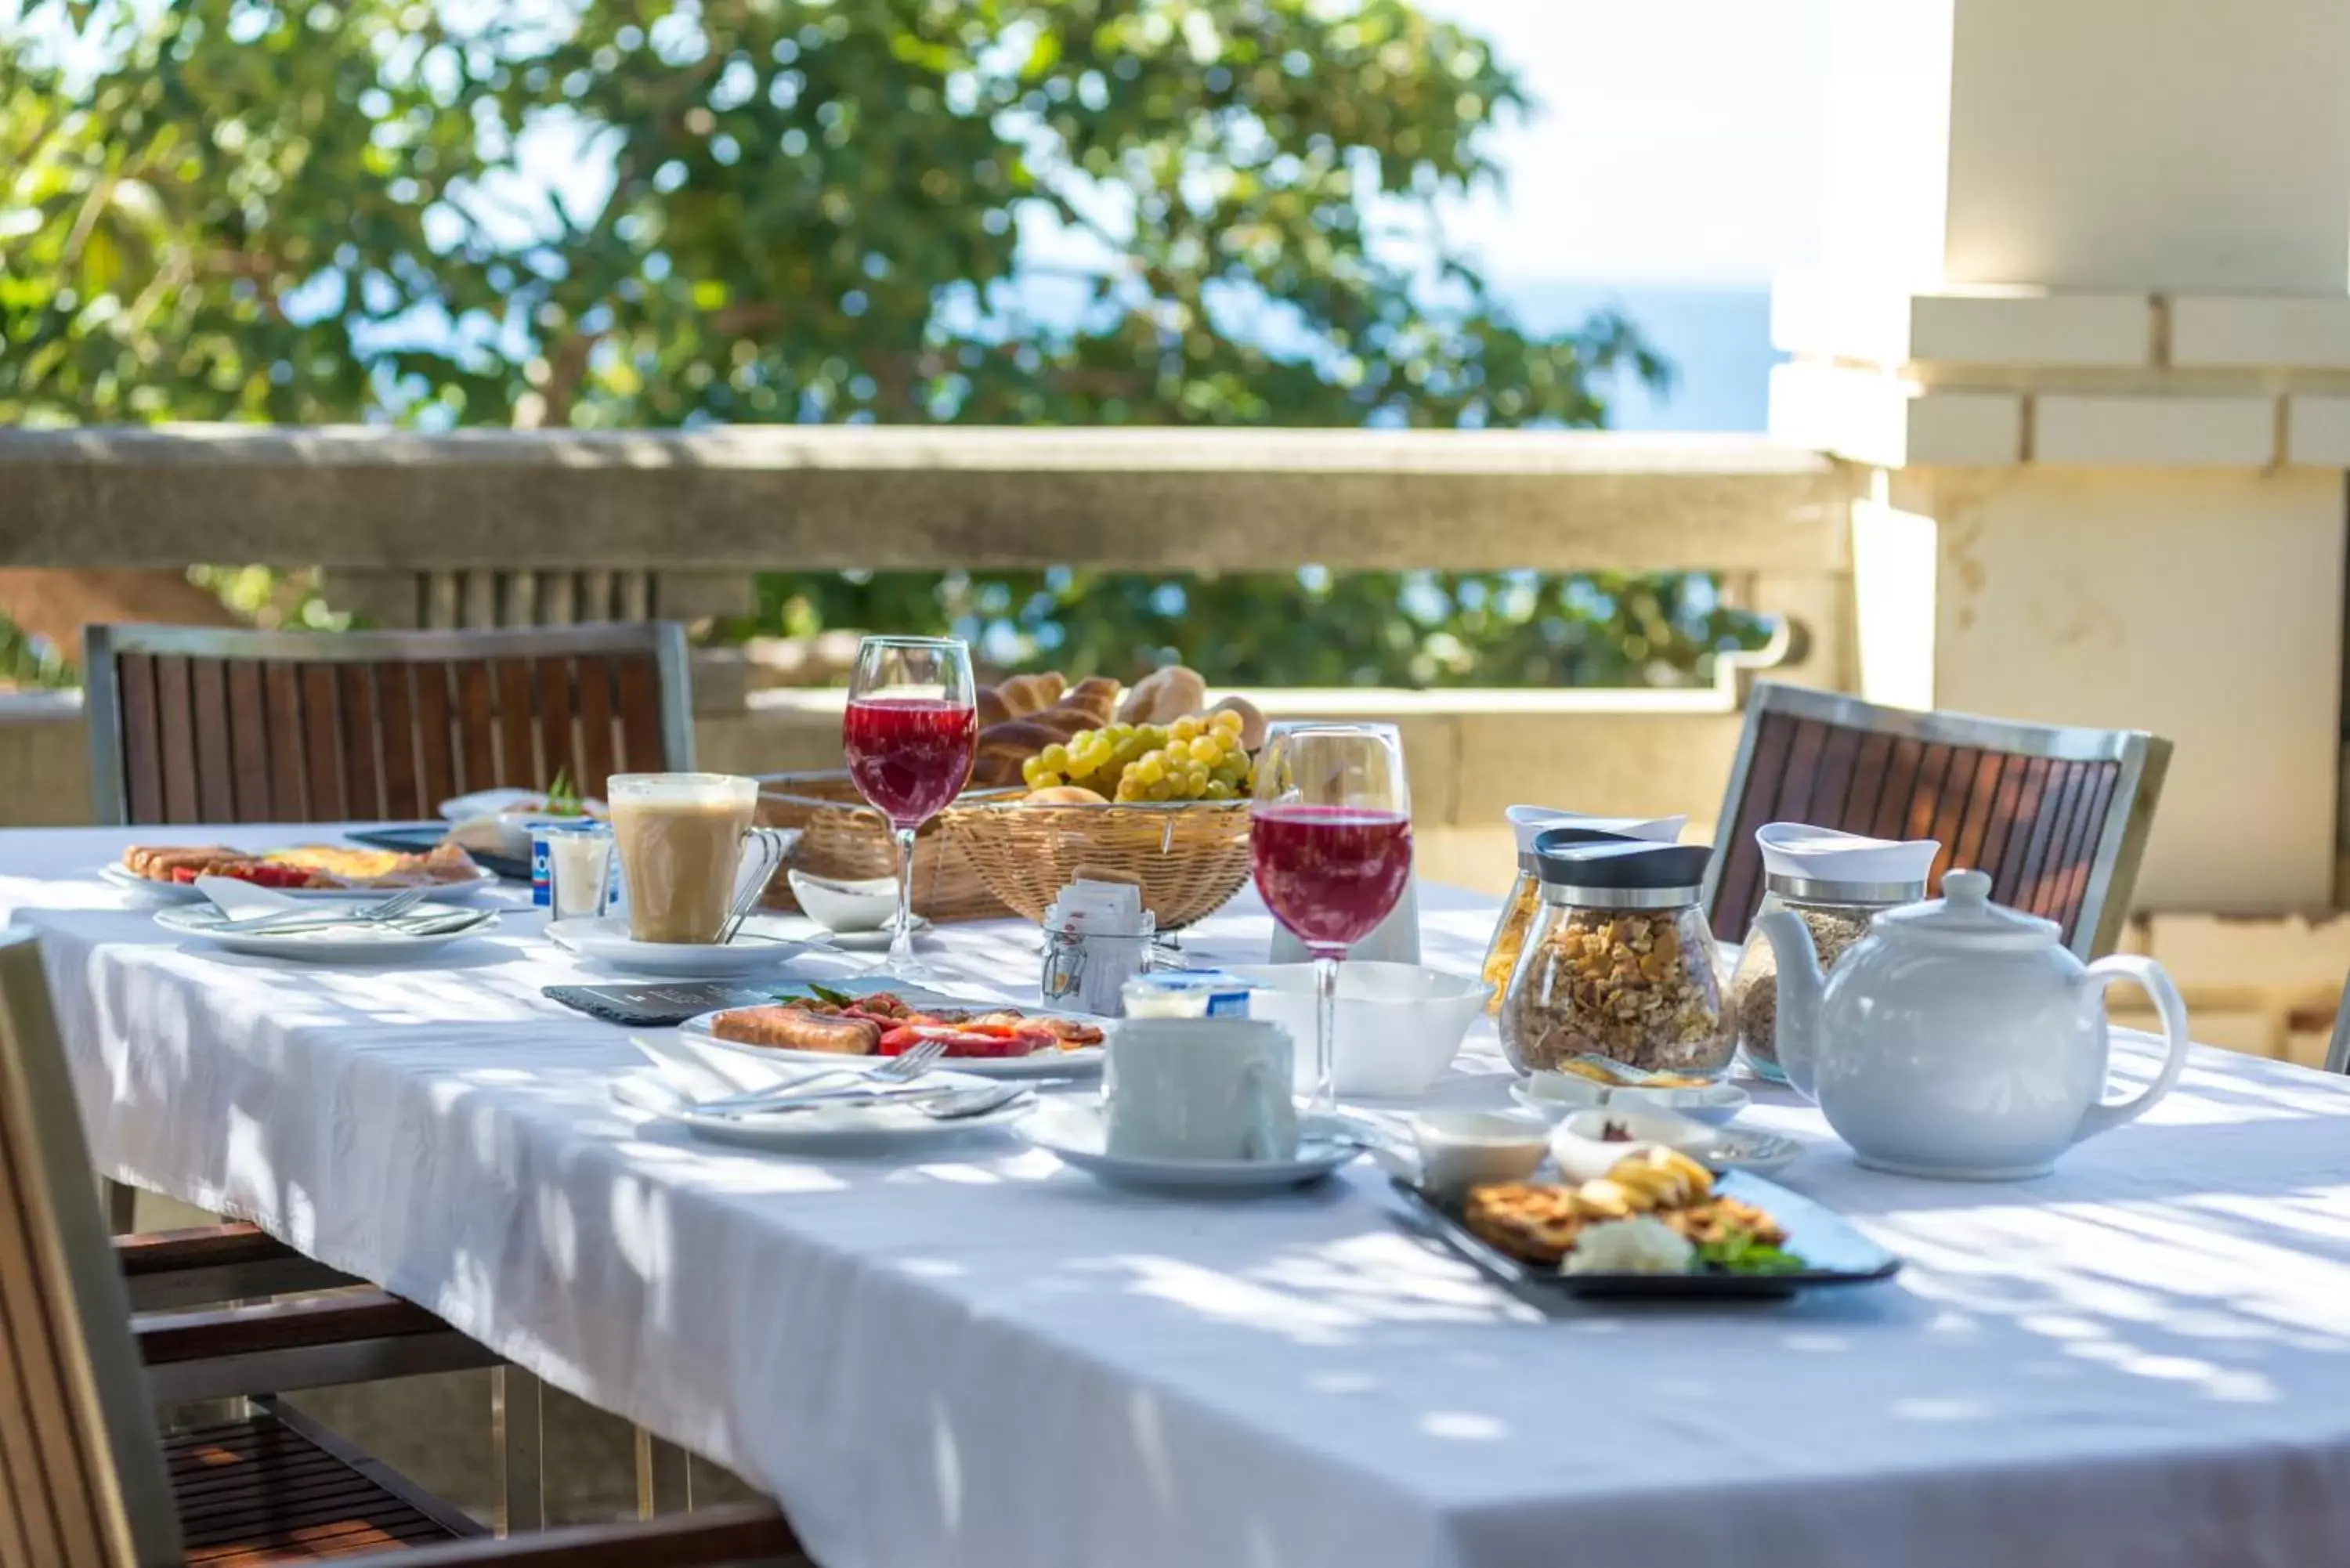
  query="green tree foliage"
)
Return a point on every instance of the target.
[{"x": 621, "y": 212}]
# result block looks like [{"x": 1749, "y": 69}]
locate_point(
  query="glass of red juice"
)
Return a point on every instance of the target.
[
  {"x": 1330, "y": 836},
  {"x": 909, "y": 734}
]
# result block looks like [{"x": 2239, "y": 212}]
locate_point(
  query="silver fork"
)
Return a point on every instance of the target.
[
  {"x": 898, "y": 1070},
  {"x": 383, "y": 911}
]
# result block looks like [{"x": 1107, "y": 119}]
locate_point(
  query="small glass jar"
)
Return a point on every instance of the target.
[
  {"x": 1837, "y": 914},
  {"x": 1518, "y": 910},
  {"x": 1619, "y": 964}
]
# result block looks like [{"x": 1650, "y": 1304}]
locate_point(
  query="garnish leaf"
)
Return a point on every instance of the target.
[{"x": 1739, "y": 1252}]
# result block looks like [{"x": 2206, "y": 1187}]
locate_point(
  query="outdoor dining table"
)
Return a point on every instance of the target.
[{"x": 975, "y": 1356}]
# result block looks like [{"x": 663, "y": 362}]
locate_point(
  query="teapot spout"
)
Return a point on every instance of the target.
[{"x": 1800, "y": 984}]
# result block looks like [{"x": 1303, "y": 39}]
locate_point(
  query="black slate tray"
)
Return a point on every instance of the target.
[
  {"x": 421, "y": 836},
  {"x": 1839, "y": 1254}
]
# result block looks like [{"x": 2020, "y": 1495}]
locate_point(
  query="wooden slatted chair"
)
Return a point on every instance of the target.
[
  {"x": 85, "y": 1480},
  {"x": 2058, "y": 816},
  {"x": 191, "y": 724},
  {"x": 2337, "y": 1050}
]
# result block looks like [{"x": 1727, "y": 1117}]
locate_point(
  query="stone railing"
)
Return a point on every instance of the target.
[{"x": 504, "y": 528}]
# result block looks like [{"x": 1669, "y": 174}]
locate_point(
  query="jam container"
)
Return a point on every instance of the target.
[
  {"x": 1619, "y": 963},
  {"x": 1835, "y": 883}
]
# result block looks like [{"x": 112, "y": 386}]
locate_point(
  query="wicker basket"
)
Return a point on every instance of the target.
[
  {"x": 843, "y": 838},
  {"x": 1191, "y": 858}
]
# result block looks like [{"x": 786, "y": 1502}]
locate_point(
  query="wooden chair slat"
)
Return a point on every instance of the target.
[
  {"x": 1740, "y": 887},
  {"x": 1893, "y": 798},
  {"x": 2031, "y": 815},
  {"x": 1926, "y": 797},
  {"x": 362, "y": 788},
  {"x": 396, "y": 730},
  {"x": 593, "y": 688},
  {"x": 1868, "y": 767},
  {"x": 215, "y": 769},
  {"x": 142, "y": 737},
  {"x": 173, "y": 703},
  {"x": 477, "y": 746},
  {"x": 2028, "y": 804},
  {"x": 289, "y": 795},
  {"x": 436, "y": 755},
  {"x": 322, "y": 744},
  {"x": 28, "y": 1525},
  {"x": 518, "y": 764},
  {"x": 557, "y": 749},
  {"x": 639, "y": 690},
  {"x": 248, "y": 724},
  {"x": 1963, "y": 846}
]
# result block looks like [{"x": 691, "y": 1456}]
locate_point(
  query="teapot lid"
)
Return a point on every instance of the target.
[{"x": 1965, "y": 913}]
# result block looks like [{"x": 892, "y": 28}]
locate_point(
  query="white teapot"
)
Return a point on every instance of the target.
[{"x": 1959, "y": 1039}]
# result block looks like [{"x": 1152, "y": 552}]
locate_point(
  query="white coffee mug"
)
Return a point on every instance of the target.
[{"x": 1200, "y": 1088}]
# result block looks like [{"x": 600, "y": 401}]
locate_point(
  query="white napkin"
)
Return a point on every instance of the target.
[
  {"x": 1530, "y": 822},
  {"x": 241, "y": 900},
  {"x": 1823, "y": 855}
]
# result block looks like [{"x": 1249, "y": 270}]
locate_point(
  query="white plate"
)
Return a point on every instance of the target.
[
  {"x": 806, "y": 929},
  {"x": 1556, "y": 1094},
  {"x": 1579, "y": 1151},
  {"x": 1075, "y": 1132},
  {"x": 835, "y": 1130},
  {"x": 122, "y": 876},
  {"x": 607, "y": 941},
  {"x": 1083, "y": 1062},
  {"x": 339, "y": 944}
]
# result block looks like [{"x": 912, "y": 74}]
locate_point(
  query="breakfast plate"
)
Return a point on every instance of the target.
[
  {"x": 1075, "y": 1132},
  {"x": 168, "y": 893},
  {"x": 425, "y": 928},
  {"x": 606, "y": 941},
  {"x": 1046, "y": 1063}
]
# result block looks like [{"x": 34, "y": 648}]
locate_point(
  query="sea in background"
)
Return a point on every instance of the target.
[{"x": 1718, "y": 340}]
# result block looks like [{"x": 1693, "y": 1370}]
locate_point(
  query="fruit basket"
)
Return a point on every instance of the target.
[
  {"x": 1191, "y": 858},
  {"x": 843, "y": 838}
]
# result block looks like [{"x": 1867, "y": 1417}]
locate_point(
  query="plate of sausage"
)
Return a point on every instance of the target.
[{"x": 981, "y": 1037}]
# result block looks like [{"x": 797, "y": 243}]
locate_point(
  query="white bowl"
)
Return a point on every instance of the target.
[
  {"x": 1459, "y": 1149},
  {"x": 1556, "y": 1094},
  {"x": 863, "y": 906},
  {"x": 1397, "y": 1027}
]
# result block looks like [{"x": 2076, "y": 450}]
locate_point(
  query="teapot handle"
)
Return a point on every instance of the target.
[{"x": 2150, "y": 979}]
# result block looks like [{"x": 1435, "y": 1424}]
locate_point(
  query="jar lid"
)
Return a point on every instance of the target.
[
  {"x": 1560, "y": 837},
  {"x": 1632, "y": 868},
  {"x": 1816, "y": 854},
  {"x": 1530, "y": 822}
]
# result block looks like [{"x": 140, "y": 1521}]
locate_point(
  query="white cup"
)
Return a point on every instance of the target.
[{"x": 1200, "y": 1088}]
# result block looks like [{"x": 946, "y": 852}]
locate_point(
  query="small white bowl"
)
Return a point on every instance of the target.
[
  {"x": 863, "y": 906},
  {"x": 1399, "y": 1025},
  {"x": 1555, "y": 1095},
  {"x": 1459, "y": 1149}
]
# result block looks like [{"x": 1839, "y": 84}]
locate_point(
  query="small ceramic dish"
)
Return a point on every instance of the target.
[
  {"x": 1556, "y": 1095},
  {"x": 1396, "y": 1025},
  {"x": 1458, "y": 1150},
  {"x": 861, "y": 905},
  {"x": 1581, "y": 1149}
]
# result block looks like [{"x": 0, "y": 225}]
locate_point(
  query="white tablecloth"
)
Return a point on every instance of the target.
[{"x": 985, "y": 1359}]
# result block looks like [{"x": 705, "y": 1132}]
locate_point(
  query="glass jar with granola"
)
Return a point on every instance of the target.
[
  {"x": 1619, "y": 964},
  {"x": 1835, "y": 883},
  {"x": 1518, "y": 910}
]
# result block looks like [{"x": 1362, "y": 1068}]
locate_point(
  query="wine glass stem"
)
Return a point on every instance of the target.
[
  {"x": 1326, "y": 1031},
  {"x": 901, "y": 939}
]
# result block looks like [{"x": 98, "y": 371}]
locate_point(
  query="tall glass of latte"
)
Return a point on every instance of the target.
[{"x": 679, "y": 837}]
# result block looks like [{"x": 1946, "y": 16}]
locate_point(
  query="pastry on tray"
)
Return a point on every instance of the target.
[{"x": 1538, "y": 1222}]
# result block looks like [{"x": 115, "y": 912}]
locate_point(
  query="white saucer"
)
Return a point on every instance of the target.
[
  {"x": 1555, "y": 1095},
  {"x": 835, "y": 1130},
  {"x": 807, "y": 929},
  {"x": 1076, "y": 1133},
  {"x": 607, "y": 941},
  {"x": 120, "y": 875},
  {"x": 333, "y": 944}
]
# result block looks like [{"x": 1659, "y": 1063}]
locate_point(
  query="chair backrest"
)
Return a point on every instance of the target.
[
  {"x": 82, "y": 1483},
  {"x": 2337, "y": 1050},
  {"x": 200, "y": 724},
  {"x": 2058, "y": 816}
]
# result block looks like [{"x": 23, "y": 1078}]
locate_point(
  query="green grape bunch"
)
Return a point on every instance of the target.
[{"x": 1194, "y": 758}]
